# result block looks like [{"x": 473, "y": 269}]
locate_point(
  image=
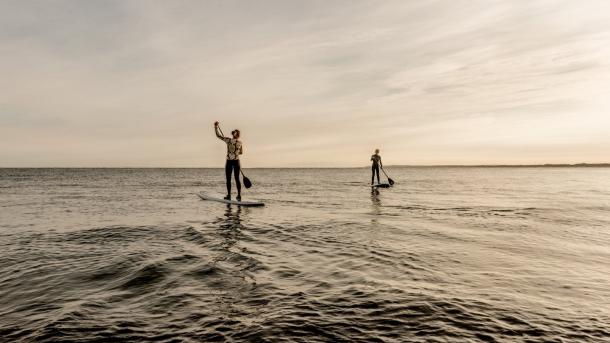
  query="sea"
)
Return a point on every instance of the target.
[{"x": 448, "y": 254}]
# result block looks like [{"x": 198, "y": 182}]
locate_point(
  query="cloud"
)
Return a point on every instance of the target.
[{"x": 139, "y": 83}]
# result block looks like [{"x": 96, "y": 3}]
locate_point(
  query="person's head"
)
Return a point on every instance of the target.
[
  {"x": 377, "y": 151},
  {"x": 236, "y": 133}
]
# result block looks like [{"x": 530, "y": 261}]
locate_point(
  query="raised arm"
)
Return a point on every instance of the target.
[{"x": 218, "y": 134}]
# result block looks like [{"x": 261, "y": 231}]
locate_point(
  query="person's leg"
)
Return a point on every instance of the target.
[
  {"x": 377, "y": 170},
  {"x": 372, "y": 174},
  {"x": 236, "y": 168},
  {"x": 228, "y": 176}
]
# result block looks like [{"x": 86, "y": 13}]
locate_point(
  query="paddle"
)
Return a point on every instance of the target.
[
  {"x": 390, "y": 181},
  {"x": 247, "y": 181}
]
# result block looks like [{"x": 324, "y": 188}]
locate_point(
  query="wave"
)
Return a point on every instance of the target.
[{"x": 397, "y": 269}]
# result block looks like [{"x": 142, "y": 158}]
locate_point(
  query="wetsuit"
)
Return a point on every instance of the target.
[
  {"x": 375, "y": 167},
  {"x": 234, "y": 149}
]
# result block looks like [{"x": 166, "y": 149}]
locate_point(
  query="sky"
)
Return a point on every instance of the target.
[{"x": 308, "y": 83}]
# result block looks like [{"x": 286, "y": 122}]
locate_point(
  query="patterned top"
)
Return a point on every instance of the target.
[
  {"x": 376, "y": 159},
  {"x": 234, "y": 146}
]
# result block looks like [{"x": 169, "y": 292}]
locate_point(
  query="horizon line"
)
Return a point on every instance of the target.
[{"x": 365, "y": 166}]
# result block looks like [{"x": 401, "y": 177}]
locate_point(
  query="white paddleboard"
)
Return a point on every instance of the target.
[
  {"x": 380, "y": 185},
  {"x": 204, "y": 196}
]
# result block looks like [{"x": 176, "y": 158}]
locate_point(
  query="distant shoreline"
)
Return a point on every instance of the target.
[{"x": 548, "y": 165}]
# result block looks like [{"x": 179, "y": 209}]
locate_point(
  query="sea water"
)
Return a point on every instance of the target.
[{"x": 447, "y": 254}]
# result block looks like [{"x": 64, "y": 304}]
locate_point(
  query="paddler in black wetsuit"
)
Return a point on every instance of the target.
[
  {"x": 376, "y": 158},
  {"x": 234, "y": 149}
]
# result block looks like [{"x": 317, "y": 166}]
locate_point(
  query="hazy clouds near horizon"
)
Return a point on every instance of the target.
[{"x": 309, "y": 83}]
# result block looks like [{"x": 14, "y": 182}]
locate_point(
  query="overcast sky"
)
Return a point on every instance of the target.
[{"x": 309, "y": 83}]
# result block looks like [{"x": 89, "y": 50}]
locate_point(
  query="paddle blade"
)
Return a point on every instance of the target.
[
  {"x": 247, "y": 182},
  {"x": 390, "y": 181}
]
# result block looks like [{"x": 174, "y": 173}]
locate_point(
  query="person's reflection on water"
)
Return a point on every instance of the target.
[
  {"x": 375, "y": 194},
  {"x": 230, "y": 226},
  {"x": 232, "y": 217},
  {"x": 375, "y": 205},
  {"x": 229, "y": 258}
]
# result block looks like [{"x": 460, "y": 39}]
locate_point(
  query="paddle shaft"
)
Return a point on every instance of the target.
[{"x": 386, "y": 175}]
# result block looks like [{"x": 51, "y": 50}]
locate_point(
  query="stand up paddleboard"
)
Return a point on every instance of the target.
[
  {"x": 381, "y": 185},
  {"x": 204, "y": 196}
]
